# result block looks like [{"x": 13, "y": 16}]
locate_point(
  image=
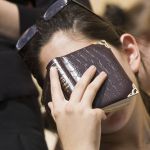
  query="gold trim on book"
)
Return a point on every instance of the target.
[
  {"x": 116, "y": 106},
  {"x": 134, "y": 91},
  {"x": 103, "y": 42}
]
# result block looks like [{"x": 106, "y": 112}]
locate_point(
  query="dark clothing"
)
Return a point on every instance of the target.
[
  {"x": 40, "y": 3},
  {"x": 15, "y": 80},
  {"x": 48, "y": 2},
  {"x": 20, "y": 118},
  {"x": 21, "y": 126},
  {"x": 29, "y": 15},
  {"x": 22, "y": 2}
]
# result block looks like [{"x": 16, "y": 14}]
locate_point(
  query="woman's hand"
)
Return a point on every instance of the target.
[{"x": 78, "y": 125}]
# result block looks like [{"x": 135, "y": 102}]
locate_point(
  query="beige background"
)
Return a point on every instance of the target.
[{"x": 99, "y": 5}]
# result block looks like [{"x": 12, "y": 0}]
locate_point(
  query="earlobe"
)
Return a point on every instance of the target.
[{"x": 131, "y": 49}]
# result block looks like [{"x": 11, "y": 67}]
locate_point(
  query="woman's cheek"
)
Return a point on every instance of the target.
[{"x": 117, "y": 120}]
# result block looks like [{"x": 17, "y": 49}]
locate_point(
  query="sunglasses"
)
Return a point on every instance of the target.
[{"x": 52, "y": 10}]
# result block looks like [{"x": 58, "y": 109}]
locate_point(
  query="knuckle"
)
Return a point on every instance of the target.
[
  {"x": 56, "y": 113},
  {"x": 81, "y": 110},
  {"x": 79, "y": 85},
  {"x": 92, "y": 115},
  {"x": 92, "y": 87},
  {"x": 71, "y": 109},
  {"x": 68, "y": 108}
]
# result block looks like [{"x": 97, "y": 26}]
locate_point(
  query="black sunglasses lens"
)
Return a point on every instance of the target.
[
  {"x": 54, "y": 9},
  {"x": 26, "y": 37}
]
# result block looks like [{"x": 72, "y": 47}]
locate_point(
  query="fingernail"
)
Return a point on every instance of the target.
[
  {"x": 92, "y": 67},
  {"x": 104, "y": 74},
  {"x": 53, "y": 68}
]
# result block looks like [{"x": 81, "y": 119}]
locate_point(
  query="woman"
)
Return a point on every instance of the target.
[{"x": 79, "y": 126}]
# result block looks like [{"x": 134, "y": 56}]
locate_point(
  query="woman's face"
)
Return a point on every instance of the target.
[{"x": 61, "y": 44}]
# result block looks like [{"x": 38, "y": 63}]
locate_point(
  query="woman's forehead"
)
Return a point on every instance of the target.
[{"x": 63, "y": 43}]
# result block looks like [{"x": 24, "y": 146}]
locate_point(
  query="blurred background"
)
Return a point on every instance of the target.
[{"x": 100, "y": 5}]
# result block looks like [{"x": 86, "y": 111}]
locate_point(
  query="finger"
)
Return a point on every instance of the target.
[
  {"x": 92, "y": 89},
  {"x": 56, "y": 91},
  {"x": 100, "y": 114},
  {"x": 80, "y": 87},
  {"x": 50, "y": 105}
]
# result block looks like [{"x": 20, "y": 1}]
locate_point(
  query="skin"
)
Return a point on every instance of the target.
[
  {"x": 144, "y": 70},
  {"x": 9, "y": 22},
  {"x": 127, "y": 128}
]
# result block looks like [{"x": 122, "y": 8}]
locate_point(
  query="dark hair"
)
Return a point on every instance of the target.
[
  {"x": 116, "y": 16},
  {"x": 136, "y": 20},
  {"x": 69, "y": 18}
]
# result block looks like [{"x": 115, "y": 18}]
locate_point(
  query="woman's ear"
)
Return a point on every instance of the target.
[{"x": 131, "y": 49}]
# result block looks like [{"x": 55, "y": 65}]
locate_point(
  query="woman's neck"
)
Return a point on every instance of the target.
[{"x": 135, "y": 135}]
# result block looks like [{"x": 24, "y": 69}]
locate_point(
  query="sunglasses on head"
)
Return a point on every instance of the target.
[{"x": 50, "y": 13}]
